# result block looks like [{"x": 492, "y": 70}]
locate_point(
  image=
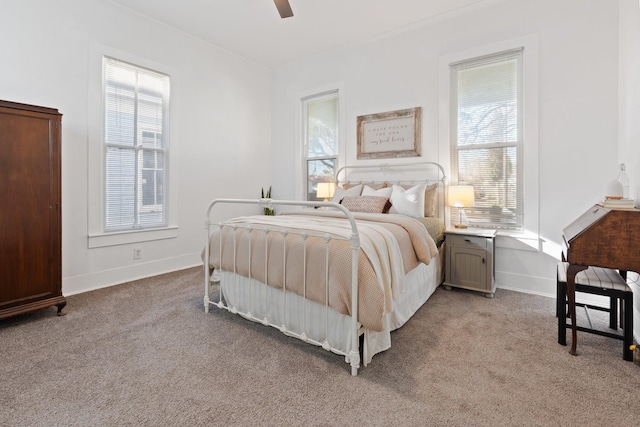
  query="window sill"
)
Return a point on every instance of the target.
[
  {"x": 523, "y": 241},
  {"x": 100, "y": 240}
]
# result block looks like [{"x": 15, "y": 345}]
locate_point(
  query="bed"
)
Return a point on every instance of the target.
[{"x": 375, "y": 249}]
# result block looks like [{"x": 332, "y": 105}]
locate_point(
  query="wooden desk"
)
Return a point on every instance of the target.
[{"x": 601, "y": 237}]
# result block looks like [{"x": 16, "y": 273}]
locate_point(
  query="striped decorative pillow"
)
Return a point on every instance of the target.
[{"x": 430, "y": 200}]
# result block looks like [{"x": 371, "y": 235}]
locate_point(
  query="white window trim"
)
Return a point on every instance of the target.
[
  {"x": 301, "y": 167},
  {"x": 530, "y": 125},
  {"x": 97, "y": 237}
]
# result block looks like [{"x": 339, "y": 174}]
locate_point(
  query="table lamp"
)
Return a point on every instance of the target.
[
  {"x": 460, "y": 196},
  {"x": 325, "y": 190}
]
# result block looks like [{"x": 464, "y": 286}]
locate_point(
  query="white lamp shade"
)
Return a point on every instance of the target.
[
  {"x": 461, "y": 196},
  {"x": 325, "y": 190}
]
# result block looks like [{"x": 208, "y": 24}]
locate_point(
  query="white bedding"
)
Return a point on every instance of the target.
[
  {"x": 311, "y": 318},
  {"x": 390, "y": 245}
]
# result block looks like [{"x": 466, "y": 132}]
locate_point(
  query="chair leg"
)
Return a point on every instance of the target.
[
  {"x": 613, "y": 312},
  {"x": 628, "y": 326},
  {"x": 558, "y": 297},
  {"x": 561, "y": 312}
]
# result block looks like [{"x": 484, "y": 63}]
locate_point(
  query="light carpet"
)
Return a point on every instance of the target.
[{"x": 146, "y": 353}]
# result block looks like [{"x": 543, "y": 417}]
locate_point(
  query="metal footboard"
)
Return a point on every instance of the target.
[{"x": 352, "y": 356}]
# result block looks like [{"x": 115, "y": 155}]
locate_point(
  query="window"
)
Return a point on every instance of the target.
[
  {"x": 487, "y": 137},
  {"x": 135, "y": 144},
  {"x": 320, "y": 140}
]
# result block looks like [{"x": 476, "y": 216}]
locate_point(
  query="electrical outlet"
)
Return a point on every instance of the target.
[{"x": 137, "y": 253}]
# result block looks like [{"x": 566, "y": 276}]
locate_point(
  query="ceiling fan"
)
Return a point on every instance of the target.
[{"x": 284, "y": 8}]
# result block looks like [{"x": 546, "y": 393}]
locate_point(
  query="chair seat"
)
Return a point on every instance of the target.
[
  {"x": 598, "y": 277},
  {"x": 600, "y": 281}
]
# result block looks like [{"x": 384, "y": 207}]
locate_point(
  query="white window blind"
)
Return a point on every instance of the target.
[
  {"x": 486, "y": 137},
  {"x": 320, "y": 124},
  {"x": 135, "y": 140}
]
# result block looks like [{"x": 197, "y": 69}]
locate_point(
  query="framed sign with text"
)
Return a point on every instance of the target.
[{"x": 389, "y": 135}]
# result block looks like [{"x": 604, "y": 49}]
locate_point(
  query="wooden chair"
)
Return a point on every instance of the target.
[{"x": 598, "y": 281}]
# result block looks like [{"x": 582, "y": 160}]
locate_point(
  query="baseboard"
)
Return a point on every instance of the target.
[
  {"x": 102, "y": 279},
  {"x": 527, "y": 284}
]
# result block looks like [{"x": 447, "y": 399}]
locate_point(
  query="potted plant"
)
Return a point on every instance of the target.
[{"x": 267, "y": 195}]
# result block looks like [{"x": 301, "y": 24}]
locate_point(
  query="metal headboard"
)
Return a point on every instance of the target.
[{"x": 425, "y": 172}]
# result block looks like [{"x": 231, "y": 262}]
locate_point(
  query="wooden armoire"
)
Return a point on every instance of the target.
[{"x": 30, "y": 209}]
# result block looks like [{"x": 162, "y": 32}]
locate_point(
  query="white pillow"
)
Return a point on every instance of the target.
[
  {"x": 408, "y": 202},
  {"x": 340, "y": 192},
  {"x": 382, "y": 192}
]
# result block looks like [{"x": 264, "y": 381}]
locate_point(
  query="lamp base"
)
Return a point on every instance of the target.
[{"x": 462, "y": 221}]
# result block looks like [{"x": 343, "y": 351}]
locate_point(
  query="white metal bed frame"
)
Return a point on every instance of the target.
[{"x": 353, "y": 355}]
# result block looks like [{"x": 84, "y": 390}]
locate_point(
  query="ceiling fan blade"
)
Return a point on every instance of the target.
[{"x": 284, "y": 8}]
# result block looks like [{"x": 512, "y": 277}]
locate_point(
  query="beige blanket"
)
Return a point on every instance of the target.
[{"x": 390, "y": 245}]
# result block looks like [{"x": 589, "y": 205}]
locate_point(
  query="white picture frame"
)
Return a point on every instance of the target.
[{"x": 391, "y": 134}]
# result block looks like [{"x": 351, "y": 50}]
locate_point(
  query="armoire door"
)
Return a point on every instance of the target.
[{"x": 30, "y": 246}]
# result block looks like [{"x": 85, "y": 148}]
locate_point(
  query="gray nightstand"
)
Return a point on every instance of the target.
[{"x": 469, "y": 260}]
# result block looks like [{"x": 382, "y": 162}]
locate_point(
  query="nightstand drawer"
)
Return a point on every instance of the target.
[{"x": 465, "y": 240}]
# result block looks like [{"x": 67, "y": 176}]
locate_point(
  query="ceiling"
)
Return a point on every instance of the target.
[{"x": 253, "y": 28}]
